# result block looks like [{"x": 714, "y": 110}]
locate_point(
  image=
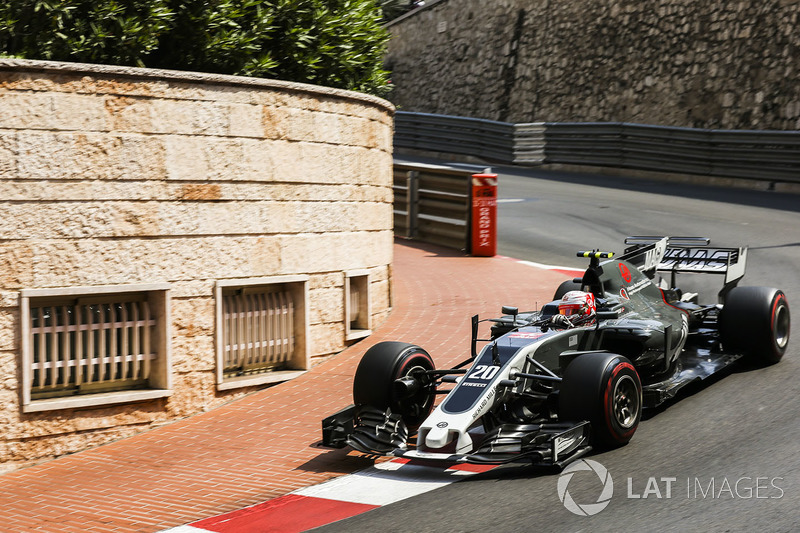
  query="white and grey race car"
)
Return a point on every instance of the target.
[{"x": 545, "y": 390}]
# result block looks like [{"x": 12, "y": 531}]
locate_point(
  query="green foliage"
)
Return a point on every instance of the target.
[
  {"x": 338, "y": 43},
  {"x": 119, "y": 32}
]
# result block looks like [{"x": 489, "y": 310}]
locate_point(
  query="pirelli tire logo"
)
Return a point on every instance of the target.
[{"x": 590, "y": 508}]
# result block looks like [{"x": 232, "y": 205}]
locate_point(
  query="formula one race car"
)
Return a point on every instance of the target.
[{"x": 551, "y": 384}]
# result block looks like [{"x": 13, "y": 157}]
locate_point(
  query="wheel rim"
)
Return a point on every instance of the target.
[
  {"x": 781, "y": 326},
  {"x": 626, "y": 402},
  {"x": 415, "y": 407}
]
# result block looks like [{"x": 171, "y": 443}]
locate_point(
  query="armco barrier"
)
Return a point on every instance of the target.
[
  {"x": 766, "y": 155},
  {"x": 528, "y": 144},
  {"x": 763, "y": 155},
  {"x": 432, "y": 204},
  {"x": 457, "y": 135}
]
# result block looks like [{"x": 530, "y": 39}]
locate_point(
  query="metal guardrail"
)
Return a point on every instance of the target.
[
  {"x": 529, "y": 144},
  {"x": 764, "y": 155},
  {"x": 432, "y": 204},
  {"x": 767, "y": 155},
  {"x": 456, "y": 135}
]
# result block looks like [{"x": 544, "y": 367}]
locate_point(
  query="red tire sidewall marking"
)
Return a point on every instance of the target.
[
  {"x": 780, "y": 299},
  {"x": 407, "y": 363},
  {"x": 608, "y": 401}
]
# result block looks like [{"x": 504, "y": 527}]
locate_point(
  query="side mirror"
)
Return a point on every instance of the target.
[{"x": 513, "y": 311}]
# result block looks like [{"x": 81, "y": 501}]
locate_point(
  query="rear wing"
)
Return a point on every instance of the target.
[{"x": 692, "y": 255}]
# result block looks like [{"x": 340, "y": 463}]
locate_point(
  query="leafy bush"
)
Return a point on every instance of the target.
[
  {"x": 338, "y": 43},
  {"x": 77, "y": 30}
]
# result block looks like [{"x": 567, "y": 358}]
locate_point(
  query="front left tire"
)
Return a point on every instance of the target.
[
  {"x": 381, "y": 366},
  {"x": 605, "y": 389}
]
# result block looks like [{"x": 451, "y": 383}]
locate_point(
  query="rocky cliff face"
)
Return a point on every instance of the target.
[{"x": 729, "y": 65}]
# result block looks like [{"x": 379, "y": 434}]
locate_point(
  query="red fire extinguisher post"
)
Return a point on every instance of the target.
[{"x": 484, "y": 215}]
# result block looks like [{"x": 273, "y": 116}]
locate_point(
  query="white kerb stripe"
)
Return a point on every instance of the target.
[
  {"x": 549, "y": 267},
  {"x": 384, "y": 484},
  {"x": 185, "y": 529}
]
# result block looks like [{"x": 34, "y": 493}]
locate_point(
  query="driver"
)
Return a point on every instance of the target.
[{"x": 576, "y": 308}]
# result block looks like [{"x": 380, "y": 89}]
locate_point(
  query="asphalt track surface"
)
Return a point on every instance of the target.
[{"x": 724, "y": 456}]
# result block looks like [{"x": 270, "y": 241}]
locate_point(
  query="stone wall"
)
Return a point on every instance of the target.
[
  {"x": 727, "y": 65},
  {"x": 130, "y": 176}
]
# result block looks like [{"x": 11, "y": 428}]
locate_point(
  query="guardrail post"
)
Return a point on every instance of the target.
[{"x": 412, "y": 203}]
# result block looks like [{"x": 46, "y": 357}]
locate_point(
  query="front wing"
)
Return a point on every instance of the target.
[{"x": 377, "y": 432}]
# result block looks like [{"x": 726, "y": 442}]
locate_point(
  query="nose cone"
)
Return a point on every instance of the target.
[{"x": 438, "y": 437}]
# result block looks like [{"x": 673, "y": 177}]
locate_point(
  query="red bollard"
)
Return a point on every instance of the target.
[{"x": 484, "y": 215}]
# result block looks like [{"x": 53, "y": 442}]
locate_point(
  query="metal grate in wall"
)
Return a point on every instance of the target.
[
  {"x": 83, "y": 348},
  {"x": 258, "y": 331}
]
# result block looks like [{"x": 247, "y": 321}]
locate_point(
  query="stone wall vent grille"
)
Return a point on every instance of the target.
[
  {"x": 93, "y": 346},
  {"x": 80, "y": 349},
  {"x": 258, "y": 331}
]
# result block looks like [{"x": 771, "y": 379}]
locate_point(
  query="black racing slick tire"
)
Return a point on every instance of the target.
[
  {"x": 565, "y": 287},
  {"x": 755, "y": 321},
  {"x": 605, "y": 389},
  {"x": 380, "y": 367}
]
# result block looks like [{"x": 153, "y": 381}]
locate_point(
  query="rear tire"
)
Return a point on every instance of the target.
[
  {"x": 755, "y": 321},
  {"x": 604, "y": 389},
  {"x": 380, "y": 366}
]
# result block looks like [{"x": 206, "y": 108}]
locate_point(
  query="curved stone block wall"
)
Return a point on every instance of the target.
[
  {"x": 185, "y": 182},
  {"x": 722, "y": 65}
]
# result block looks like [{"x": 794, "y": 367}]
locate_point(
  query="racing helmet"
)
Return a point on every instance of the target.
[{"x": 579, "y": 306}]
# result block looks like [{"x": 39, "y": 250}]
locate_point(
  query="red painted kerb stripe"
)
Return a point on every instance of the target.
[{"x": 287, "y": 514}]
